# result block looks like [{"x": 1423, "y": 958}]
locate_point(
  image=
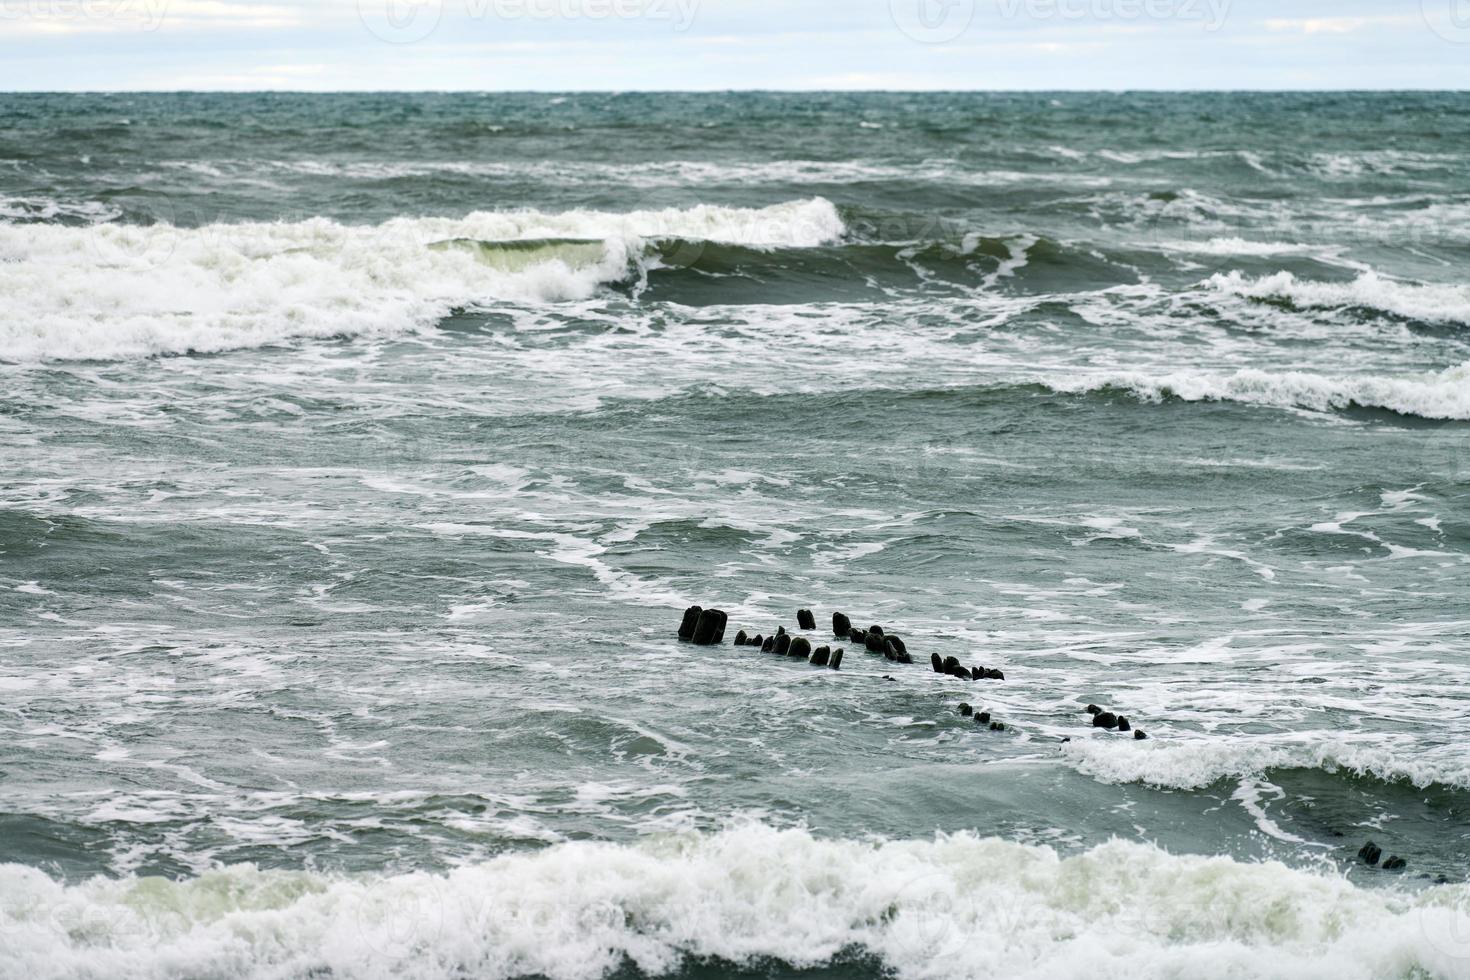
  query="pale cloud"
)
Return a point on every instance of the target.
[
  {"x": 1054, "y": 47},
  {"x": 858, "y": 81},
  {"x": 63, "y": 17},
  {"x": 267, "y": 76},
  {"x": 224, "y": 13},
  {"x": 1338, "y": 25},
  {"x": 59, "y": 17},
  {"x": 724, "y": 44}
]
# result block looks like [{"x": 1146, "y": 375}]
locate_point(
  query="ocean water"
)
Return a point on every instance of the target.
[{"x": 361, "y": 454}]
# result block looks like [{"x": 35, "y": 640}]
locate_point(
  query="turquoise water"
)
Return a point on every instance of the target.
[{"x": 363, "y": 452}]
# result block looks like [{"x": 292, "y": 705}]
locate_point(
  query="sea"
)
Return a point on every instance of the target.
[{"x": 361, "y": 453}]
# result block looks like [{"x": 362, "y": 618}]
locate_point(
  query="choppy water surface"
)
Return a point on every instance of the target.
[{"x": 361, "y": 454}]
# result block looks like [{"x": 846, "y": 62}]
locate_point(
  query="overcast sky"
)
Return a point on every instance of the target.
[{"x": 733, "y": 44}]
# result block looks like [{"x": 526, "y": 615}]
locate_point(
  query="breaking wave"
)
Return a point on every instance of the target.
[
  {"x": 1188, "y": 765},
  {"x": 1432, "y": 303},
  {"x": 951, "y": 907},
  {"x": 1436, "y": 395},
  {"x": 116, "y": 291}
]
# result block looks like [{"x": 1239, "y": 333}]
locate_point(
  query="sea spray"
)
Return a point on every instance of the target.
[
  {"x": 119, "y": 291},
  {"x": 950, "y": 907}
]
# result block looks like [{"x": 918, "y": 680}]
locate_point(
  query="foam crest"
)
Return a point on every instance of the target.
[
  {"x": 1235, "y": 245},
  {"x": 28, "y": 209},
  {"x": 1188, "y": 765},
  {"x": 1434, "y": 303},
  {"x": 118, "y": 291},
  {"x": 1435, "y": 395},
  {"x": 951, "y": 907}
]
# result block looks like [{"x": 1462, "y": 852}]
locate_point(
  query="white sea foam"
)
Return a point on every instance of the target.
[
  {"x": 51, "y": 209},
  {"x": 660, "y": 173},
  {"x": 1436, "y": 303},
  {"x": 1191, "y": 764},
  {"x": 115, "y": 291},
  {"x": 1189, "y": 207},
  {"x": 1241, "y": 246},
  {"x": 1436, "y": 395},
  {"x": 1337, "y": 166},
  {"x": 952, "y": 907}
]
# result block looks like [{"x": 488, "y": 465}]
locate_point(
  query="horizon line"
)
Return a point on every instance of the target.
[{"x": 744, "y": 91}]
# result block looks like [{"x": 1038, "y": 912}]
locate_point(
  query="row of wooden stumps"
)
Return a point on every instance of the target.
[
  {"x": 784, "y": 644},
  {"x": 703, "y": 627},
  {"x": 1371, "y": 854},
  {"x": 1114, "y": 723},
  {"x": 706, "y": 627}
]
